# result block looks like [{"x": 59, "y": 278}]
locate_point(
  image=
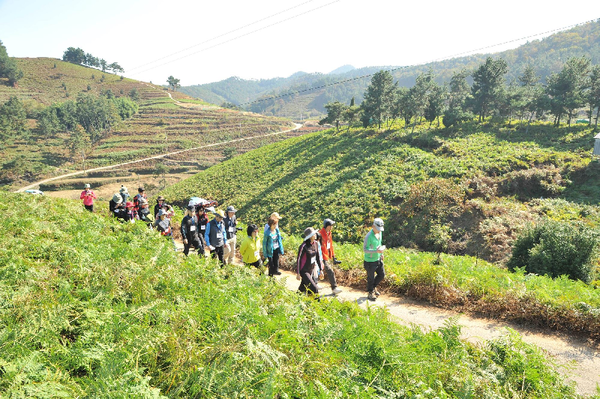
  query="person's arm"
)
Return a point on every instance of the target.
[
  {"x": 299, "y": 258},
  {"x": 82, "y": 196},
  {"x": 224, "y": 232},
  {"x": 207, "y": 234},
  {"x": 183, "y": 229}
]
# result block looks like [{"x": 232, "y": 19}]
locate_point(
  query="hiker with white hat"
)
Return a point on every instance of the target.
[
  {"x": 163, "y": 225},
  {"x": 216, "y": 236},
  {"x": 88, "y": 198},
  {"x": 231, "y": 228},
  {"x": 275, "y": 216},
  {"x": 116, "y": 205},
  {"x": 308, "y": 259},
  {"x": 329, "y": 259},
  {"x": 124, "y": 193},
  {"x": 273, "y": 246},
  {"x": 373, "y": 260}
]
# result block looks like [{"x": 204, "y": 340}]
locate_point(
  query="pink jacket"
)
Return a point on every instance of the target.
[{"x": 88, "y": 199}]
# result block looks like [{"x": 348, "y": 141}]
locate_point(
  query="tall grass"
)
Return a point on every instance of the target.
[{"x": 90, "y": 307}]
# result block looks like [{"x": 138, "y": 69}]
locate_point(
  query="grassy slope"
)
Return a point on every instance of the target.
[
  {"x": 412, "y": 180},
  {"x": 94, "y": 308},
  {"x": 160, "y": 125}
]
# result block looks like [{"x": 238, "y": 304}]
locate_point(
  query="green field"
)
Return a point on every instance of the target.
[{"x": 93, "y": 308}]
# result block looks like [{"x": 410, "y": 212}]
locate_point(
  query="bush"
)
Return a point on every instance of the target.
[{"x": 557, "y": 248}]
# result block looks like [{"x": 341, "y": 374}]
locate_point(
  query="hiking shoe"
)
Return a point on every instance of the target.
[
  {"x": 336, "y": 262},
  {"x": 336, "y": 290},
  {"x": 371, "y": 296},
  {"x": 376, "y": 292},
  {"x": 277, "y": 273}
]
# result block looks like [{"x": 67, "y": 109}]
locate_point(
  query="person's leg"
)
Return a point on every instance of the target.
[
  {"x": 309, "y": 283},
  {"x": 186, "y": 248},
  {"x": 274, "y": 265},
  {"x": 231, "y": 251},
  {"x": 370, "y": 268},
  {"x": 327, "y": 265},
  {"x": 219, "y": 251},
  {"x": 89, "y": 208},
  {"x": 380, "y": 270}
]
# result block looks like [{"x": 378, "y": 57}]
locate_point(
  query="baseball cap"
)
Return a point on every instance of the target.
[{"x": 378, "y": 222}]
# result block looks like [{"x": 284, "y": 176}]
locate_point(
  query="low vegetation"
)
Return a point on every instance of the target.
[{"x": 95, "y": 308}]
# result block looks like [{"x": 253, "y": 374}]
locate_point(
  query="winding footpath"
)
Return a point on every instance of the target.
[{"x": 580, "y": 360}]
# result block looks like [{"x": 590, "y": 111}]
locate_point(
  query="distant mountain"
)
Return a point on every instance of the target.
[
  {"x": 342, "y": 69},
  {"x": 311, "y": 91}
]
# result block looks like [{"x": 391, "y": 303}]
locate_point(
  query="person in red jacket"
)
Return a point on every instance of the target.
[
  {"x": 328, "y": 254},
  {"x": 88, "y": 198}
]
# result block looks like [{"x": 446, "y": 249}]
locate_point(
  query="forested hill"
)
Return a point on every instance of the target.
[{"x": 546, "y": 56}]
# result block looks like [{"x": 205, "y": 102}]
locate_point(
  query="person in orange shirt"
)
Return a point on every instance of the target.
[{"x": 328, "y": 254}]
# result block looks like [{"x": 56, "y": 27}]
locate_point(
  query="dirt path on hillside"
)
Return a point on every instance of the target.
[
  {"x": 581, "y": 360},
  {"x": 36, "y": 184}
]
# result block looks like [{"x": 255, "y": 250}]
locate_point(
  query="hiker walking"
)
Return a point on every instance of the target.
[
  {"x": 144, "y": 212},
  {"x": 231, "y": 229},
  {"x": 308, "y": 259},
  {"x": 216, "y": 236},
  {"x": 250, "y": 248},
  {"x": 124, "y": 193},
  {"x": 329, "y": 259},
  {"x": 116, "y": 205},
  {"x": 163, "y": 225},
  {"x": 189, "y": 232},
  {"x": 88, "y": 198},
  {"x": 140, "y": 195},
  {"x": 273, "y": 246},
  {"x": 373, "y": 261},
  {"x": 274, "y": 216},
  {"x": 160, "y": 201}
]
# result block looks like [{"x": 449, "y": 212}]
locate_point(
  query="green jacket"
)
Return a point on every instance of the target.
[
  {"x": 250, "y": 249},
  {"x": 370, "y": 246}
]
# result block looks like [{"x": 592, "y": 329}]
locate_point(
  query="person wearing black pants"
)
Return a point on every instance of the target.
[
  {"x": 215, "y": 236},
  {"x": 273, "y": 246},
  {"x": 189, "y": 233},
  {"x": 308, "y": 259}
]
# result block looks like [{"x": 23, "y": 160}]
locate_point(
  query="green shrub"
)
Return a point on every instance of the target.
[{"x": 557, "y": 248}]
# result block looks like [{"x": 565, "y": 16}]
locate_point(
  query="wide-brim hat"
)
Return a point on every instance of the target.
[
  {"x": 87, "y": 185},
  {"x": 309, "y": 232},
  {"x": 143, "y": 201},
  {"x": 219, "y": 213},
  {"x": 161, "y": 212},
  {"x": 275, "y": 215},
  {"x": 117, "y": 198},
  {"x": 123, "y": 190},
  {"x": 129, "y": 204},
  {"x": 160, "y": 198}
]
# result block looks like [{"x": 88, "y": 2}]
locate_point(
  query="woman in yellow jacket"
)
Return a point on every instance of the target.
[{"x": 250, "y": 249}]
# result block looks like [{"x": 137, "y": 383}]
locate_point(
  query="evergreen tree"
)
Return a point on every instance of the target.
[
  {"x": 8, "y": 67},
  {"x": 335, "y": 113},
  {"x": 566, "y": 89},
  {"x": 173, "y": 83},
  {"x": 488, "y": 86},
  {"x": 458, "y": 97},
  {"x": 379, "y": 98},
  {"x": 593, "y": 94},
  {"x": 13, "y": 119}
]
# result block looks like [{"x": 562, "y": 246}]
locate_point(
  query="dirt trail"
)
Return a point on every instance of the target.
[
  {"x": 581, "y": 360},
  {"x": 36, "y": 184}
]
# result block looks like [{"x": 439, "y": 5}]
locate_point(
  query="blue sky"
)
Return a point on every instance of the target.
[{"x": 311, "y": 36}]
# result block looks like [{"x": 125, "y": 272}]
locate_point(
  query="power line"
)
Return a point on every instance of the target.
[
  {"x": 241, "y": 36},
  {"x": 221, "y": 35},
  {"x": 409, "y": 66}
]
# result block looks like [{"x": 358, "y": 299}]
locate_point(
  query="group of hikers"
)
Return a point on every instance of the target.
[{"x": 315, "y": 259}]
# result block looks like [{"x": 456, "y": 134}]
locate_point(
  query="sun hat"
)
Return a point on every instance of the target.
[
  {"x": 161, "y": 212},
  {"x": 275, "y": 215},
  {"x": 328, "y": 222},
  {"x": 230, "y": 208},
  {"x": 309, "y": 232},
  {"x": 117, "y": 199},
  {"x": 378, "y": 222},
  {"x": 129, "y": 204},
  {"x": 219, "y": 213},
  {"x": 143, "y": 201},
  {"x": 141, "y": 189},
  {"x": 160, "y": 198},
  {"x": 87, "y": 185},
  {"x": 123, "y": 190}
]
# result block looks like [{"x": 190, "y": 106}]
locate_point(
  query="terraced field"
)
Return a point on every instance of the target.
[{"x": 166, "y": 122}]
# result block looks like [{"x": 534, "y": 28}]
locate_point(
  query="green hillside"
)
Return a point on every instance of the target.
[
  {"x": 162, "y": 124},
  {"x": 546, "y": 56},
  {"x": 484, "y": 182},
  {"x": 93, "y": 308}
]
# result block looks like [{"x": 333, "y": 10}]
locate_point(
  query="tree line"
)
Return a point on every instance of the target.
[
  {"x": 576, "y": 87},
  {"x": 8, "y": 67},
  {"x": 80, "y": 57},
  {"x": 85, "y": 120}
]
